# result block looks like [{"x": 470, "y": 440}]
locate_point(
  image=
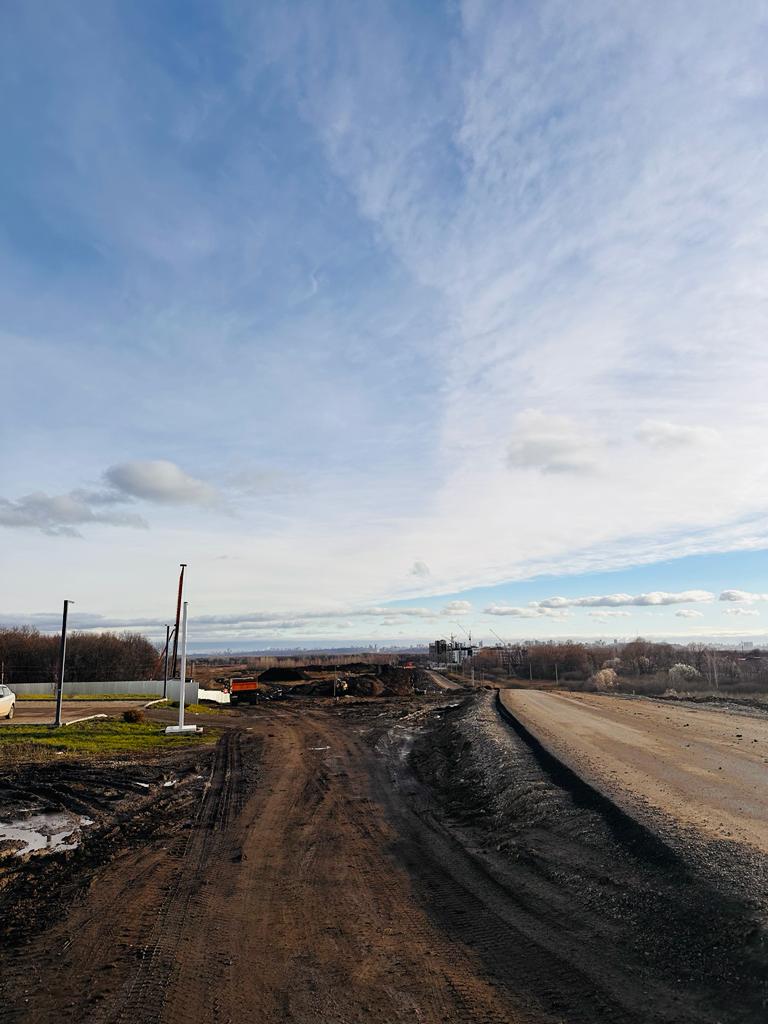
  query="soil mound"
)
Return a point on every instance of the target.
[{"x": 282, "y": 675}]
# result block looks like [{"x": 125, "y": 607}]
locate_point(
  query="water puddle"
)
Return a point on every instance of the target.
[{"x": 42, "y": 833}]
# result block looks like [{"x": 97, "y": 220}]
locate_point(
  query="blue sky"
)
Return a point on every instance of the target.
[{"x": 361, "y": 309}]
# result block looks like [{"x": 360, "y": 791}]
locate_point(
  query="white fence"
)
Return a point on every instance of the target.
[
  {"x": 215, "y": 696},
  {"x": 149, "y": 688}
]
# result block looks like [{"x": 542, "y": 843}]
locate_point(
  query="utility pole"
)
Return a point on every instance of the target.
[
  {"x": 165, "y": 661},
  {"x": 62, "y": 659},
  {"x": 178, "y": 614},
  {"x": 556, "y": 679}
]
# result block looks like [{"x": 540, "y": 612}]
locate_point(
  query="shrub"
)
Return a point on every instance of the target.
[
  {"x": 605, "y": 679},
  {"x": 681, "y": 674},
  {"x": 133, "y": 715}
]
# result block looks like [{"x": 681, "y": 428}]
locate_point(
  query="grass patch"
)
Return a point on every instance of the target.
[
  {"x": 98, "y": 737},
  {"x": 201, "y": 709},
  {"x": 86, "y": 696}
]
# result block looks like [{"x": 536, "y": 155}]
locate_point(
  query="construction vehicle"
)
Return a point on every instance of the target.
[{"x": 245, "y": 690}]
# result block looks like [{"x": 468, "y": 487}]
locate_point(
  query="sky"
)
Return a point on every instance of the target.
[{"x": 385, "y": 317}]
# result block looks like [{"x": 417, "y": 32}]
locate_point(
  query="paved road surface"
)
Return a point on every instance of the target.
[
  {"x": 42, "y": 712},
  {"x": 705, "y": 768}
]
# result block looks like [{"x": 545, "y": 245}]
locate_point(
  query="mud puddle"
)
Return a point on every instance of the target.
[{"x": 42, "y": 833}]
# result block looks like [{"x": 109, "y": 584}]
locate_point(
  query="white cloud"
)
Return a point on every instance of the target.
[
  {"x": 742, "y": 611},
  {"x": 405, "y": 611},
  {"x": 457, "y": 608},
  {"x": 662, "y": 434},
  {"x": 61, "y": 514},
  {"x": 602, "y": 616},
  {"x": 420, "y": 569},
  {"x": 689, "y": 613},
  {"x": 529, "y": 612},
  {"x": 742, "y": 595},
  {"x": 655, "y": 597},
  {"x": 159, "y": 480},
  {"x": 550, "y": 444}
]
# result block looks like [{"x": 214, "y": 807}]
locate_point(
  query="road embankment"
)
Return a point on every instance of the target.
[{"x": 700, "y": 767}]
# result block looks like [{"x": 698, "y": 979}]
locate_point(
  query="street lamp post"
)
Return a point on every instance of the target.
[
  {"x": 183, "y": 672},
  {"x": 181, "y": 727}
]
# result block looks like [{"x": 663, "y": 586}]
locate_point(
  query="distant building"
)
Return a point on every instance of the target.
[
  {"x": 449, "y": 652},
  {"x": 438, "y": 651}
]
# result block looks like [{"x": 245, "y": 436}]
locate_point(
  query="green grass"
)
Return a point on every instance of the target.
[
  {"x": 201, "y": 709},
  {"x": 96, "y": 737},
  {"x": 87, "y": 696}
]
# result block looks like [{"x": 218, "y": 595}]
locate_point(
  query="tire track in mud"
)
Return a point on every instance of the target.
[
  {"x": 366, "y": 951},
  {"x": 144, "y": 998}
]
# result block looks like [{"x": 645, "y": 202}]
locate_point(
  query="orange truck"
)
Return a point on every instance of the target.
[{"x": 245, "y": 691}]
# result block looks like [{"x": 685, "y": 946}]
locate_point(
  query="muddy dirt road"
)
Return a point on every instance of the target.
[
  {"x": 704, "y": 767},
  {"x": 319, "y": 868}
]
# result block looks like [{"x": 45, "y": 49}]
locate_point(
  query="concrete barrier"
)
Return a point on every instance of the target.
[{"x": 139, "y": 687}]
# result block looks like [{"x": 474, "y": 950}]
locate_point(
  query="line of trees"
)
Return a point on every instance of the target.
[
  {"x": 29, "y": 656},
  {"x": 641, "y": 665}
]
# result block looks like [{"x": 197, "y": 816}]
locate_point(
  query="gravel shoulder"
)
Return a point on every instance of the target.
[{"x": 700, "y": 766}]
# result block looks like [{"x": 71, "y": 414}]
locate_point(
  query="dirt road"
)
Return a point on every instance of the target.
[
  {"x": 43, "y": 712},
  {"x": 282, "y": 902},
  {"x": 442, "y": 682},
  {"x": 705, "y": 768},
  {"x": 307, "y": 873}
]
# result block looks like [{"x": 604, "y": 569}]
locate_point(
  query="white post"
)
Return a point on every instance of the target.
[
  {"x": 183, "y": 672},
  {"x": 181, "y": 728}
]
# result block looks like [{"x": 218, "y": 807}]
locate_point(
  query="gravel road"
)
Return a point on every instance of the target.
[
  {"x": 702, "y": 767},
  {"x": 442, "y": 682}
]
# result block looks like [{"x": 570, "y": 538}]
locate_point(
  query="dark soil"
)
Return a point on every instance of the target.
[
  {"x": 648, "y": 905},
  {"x": 369, "y": 861}
]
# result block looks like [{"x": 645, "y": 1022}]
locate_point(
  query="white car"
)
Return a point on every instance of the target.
[{"x": 7, "y": 702}]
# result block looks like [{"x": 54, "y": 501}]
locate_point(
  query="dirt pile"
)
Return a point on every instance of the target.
[
  {"x": 398, "y": 682},
  {"x": 279, "y": 674}
]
